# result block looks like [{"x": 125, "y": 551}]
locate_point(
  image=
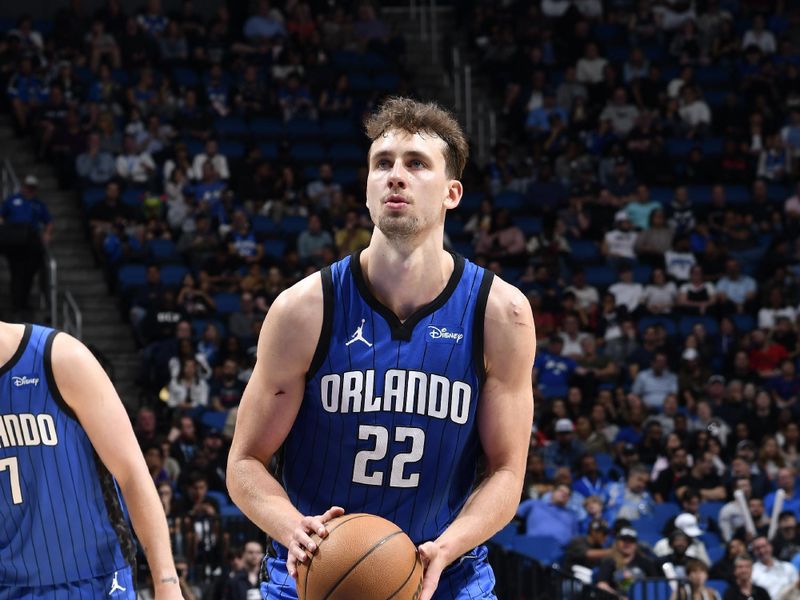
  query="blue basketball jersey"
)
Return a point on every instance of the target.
[
  {"x": 61, "y": 515},
  {"x": 387, "y": 423}
]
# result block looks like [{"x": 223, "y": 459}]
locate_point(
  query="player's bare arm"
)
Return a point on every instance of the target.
[
  {"x": 505, "y": 415},
  {"x": 88, "y": 391},
  {"x": 269, "y": 407}
]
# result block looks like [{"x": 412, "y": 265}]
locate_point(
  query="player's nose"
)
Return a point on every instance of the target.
[{"x": 397, "y": 176}]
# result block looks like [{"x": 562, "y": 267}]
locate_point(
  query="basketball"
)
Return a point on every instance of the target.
[{"x": 364, "y": 557}]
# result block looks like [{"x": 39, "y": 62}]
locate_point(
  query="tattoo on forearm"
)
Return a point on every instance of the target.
[{"x": 169, "y": 580}]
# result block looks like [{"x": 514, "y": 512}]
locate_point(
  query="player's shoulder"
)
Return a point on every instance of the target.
[
  {"x": 507, "y": 304},
  {"x": 300, "y": 306},
  {"x": 67, "y": 351}
]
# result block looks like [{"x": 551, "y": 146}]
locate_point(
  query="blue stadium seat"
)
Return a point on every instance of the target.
[
  {"x": 463, "y": 248},
  {"x": 470, "y": 202},
  {"x": 711, "y": 539},
  {"x": 584, "y": 252},
  {"x": 163, "y": 251},
  {"x": 294, "y": 225},
  {"x": 712, "y": 146},
  {"x": 642, "y": 274},
  {"x": 604, "y": 462},
  {"x": 347, "y": 153},
  {"x": 264, "y": 227},
  {"x": 700, "y": 195},
  {"x": 231, "y": 511},
  {"x": 454, "y": 227},
  {"x": 231, "y": 127},
  {"x": 172, "y": 275},
  {"x": 686, "y": 323},
  {"x": 199, "y": 326},
  {"x": 715, "y": 552},
  {"x": 712, "y": 75},
  {"x": 737, "y": 194},
  {"x": 227, "y": 302},
  {"x": 231, "y": 149},
  {"x": 214, "y": 419},
  {"x": 777, "y": 192},
  {"x": 274, "y": 248},
  {"x": 185, "y": 78},
  {"x": 339, "y": 129},
  {"x": 130, "y": 277},
  {"x": 679, "y": 147},
  {"x": 220, "y": 498},
  {"x": 92, "y": 196},
  {"x": 360, "y": 82},
  {"x": 650, "y": 589},
  {"x": 133, "y": 197},
  {"x": 505, "y": 537},
  {"x": 269, "y": 150},
  {"x": 267, "y": 127},
  {"x": 541, "y": 548},
  {"x": 386, "y": 82},
  {"x": 600, "y": 276},
  {"x": 529, "y": 225},
  {"x": 664, "y": 511},
  {"x": 512, "y": 201},
  {"x": 345, "y": 175},
  {"x": 662, "y": 195},
  {"x": 715, "y": 98},
  {"x": 718, "y": 584},
  {"x": 744, "y": 322},
  {"x": 308, "y": 152},
  {"x": 666, "y": 322},
  {"x": 303, "y": 129}
]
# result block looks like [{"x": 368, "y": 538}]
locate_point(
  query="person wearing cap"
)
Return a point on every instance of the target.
[
  {"x": 693, "y": 372},
  {"x": 675, "y": 560},
  {"x": 691, "y": 547},
  {"x": 590, "y": 549},
  {"x": 28, "y": 227},
  {"x": 626, "y": 565},
  {"x": 550, "y": 517},
  {"x": 565, "y": 450},
  {"x": 775, "y": 576}
]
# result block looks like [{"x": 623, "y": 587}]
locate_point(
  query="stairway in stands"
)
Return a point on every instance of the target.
[{"x": 103, "y": 329}]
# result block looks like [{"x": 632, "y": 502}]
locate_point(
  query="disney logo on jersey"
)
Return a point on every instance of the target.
[
  {"x": 23, "y": 380},
  {"x": 445, "y": 335}
]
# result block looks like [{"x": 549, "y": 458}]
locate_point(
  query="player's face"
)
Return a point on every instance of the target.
[{"x": 408, "y": 190}]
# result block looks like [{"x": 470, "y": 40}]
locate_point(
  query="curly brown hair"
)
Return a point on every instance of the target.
[{"x": 413, "y": 116}]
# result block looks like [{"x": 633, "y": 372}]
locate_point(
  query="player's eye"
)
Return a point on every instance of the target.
[
  {"x": 417, "y": 164},
  {"x": 382, "y": 164}
]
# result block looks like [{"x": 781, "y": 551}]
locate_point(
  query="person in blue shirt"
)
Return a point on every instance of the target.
[
  {"x": 787, "y": 479},
  {"x": 551, "y": 518},
  {"x": 552, "y": 370},
  {"x": 29, "y": 226},
  {"x": 591, "y": 482},
  {"x": 565, "y": 450}
]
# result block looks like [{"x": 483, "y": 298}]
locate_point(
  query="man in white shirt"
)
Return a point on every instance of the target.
[
  {"x": 585, "y": 295},
  {"x": 775, "y": 576},
  {"x": 572, "y": 337},
  {"x": 759, "y": 36},
  {"x": 620, "y": 112},
  {"x": 219, "y": 161},
  {"x": 627, "y": 292},
  {"x": 134, "y": 166},
  {"x": 618, "y": 243},
  {"x": 694, "y": 110},
  {"x": 590, "y": 67}
]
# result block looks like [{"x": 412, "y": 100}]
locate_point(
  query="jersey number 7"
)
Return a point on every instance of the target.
[{"x": 397, "y": 478}]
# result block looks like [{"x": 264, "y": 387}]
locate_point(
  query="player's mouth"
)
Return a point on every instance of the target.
[{"x": 395, "y": 201}]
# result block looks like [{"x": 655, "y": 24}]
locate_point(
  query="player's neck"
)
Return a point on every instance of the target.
[
  {"x": 402, "y": 278},
  {"x": 10, "y": 338}
]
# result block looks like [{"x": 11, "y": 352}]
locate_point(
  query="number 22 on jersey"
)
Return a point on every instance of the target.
[{"x": 397, "y": 477}]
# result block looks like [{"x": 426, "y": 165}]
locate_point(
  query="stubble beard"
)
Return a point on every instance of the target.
[{"x": 399, "y": 226}]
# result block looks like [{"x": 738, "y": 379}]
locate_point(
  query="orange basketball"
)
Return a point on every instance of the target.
[{"x": 364, "y": 557}]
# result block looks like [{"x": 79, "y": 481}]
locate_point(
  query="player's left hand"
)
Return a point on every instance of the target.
[{"x": 434, "y": 562}]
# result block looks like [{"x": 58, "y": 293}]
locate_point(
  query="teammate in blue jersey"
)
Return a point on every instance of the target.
[
  {"x": 67, "y": 452},
  {"x": 388, "y": 375}
]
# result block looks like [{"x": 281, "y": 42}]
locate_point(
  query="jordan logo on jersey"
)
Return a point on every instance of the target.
[
  {"x": 358, "y": 336},
  {"x": 115, "y": 586}
]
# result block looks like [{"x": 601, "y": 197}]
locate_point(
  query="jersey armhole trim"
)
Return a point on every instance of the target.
[
  {"x": 51, "y": 379},
  {"x": 479, "y": 318},
  {"x": 327, "y": 324},
  {"x": 23, "y": 345}
]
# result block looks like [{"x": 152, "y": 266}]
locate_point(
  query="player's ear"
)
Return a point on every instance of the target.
[{"x": 454, "y": 192}]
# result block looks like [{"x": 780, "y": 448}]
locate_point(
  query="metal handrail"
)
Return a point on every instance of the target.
[
  {"x": 72, "y": 317},
  {"x": 9, "y": 183}
]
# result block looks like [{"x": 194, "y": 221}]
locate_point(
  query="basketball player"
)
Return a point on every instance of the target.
[
  {"x": 387, "y": 375},
  {"x": 67, "y": 451}
]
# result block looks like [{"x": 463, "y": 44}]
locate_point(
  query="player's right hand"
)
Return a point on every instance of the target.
[{"x": 301, "y": 542}]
